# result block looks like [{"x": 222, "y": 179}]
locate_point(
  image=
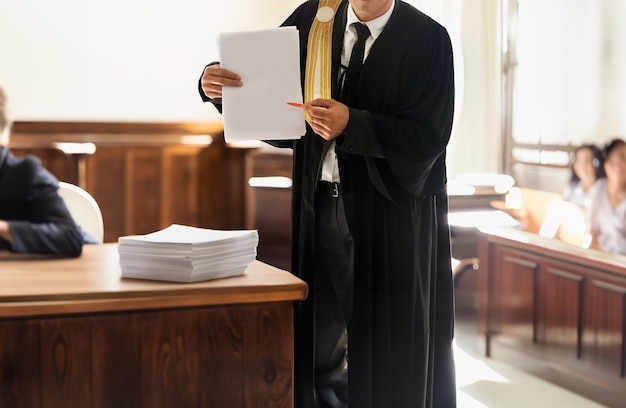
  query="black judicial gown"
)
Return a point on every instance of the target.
[{"x": 392, "y": 168}]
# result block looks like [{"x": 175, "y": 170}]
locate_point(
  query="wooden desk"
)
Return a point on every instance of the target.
[
  {"x": 555, "y": 310},
  {"x": 73, "y": 333}
]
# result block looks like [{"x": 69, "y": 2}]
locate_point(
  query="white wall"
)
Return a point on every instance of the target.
[
  {"x": 571, "y": 77},
  {"x": 139, "y": 60},
  {"x": 613, "y": 119},
  {"x": 118, "y": 60}
]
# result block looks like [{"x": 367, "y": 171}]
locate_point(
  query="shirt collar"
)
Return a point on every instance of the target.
[{"x": 376, "y": 25}]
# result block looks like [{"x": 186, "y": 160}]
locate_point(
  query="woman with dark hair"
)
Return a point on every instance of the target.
[
  {"x": 586, "y": 169},
  {"x": 607, "y": 210}
]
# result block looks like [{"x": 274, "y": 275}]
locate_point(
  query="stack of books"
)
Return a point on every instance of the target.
[{"x": 181, "y": 253}]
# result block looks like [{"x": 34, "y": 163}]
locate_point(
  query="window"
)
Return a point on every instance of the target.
[{"x": 564, "y": 81}]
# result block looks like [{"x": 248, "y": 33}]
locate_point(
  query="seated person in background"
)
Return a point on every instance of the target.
[
  {"x": 586, "y": 169},
  {"x": 607, "y": 209},
  {"x": 33, "y": 217}
]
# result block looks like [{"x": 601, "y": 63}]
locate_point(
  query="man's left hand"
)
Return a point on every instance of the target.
[{"x": 327, "y": 117}]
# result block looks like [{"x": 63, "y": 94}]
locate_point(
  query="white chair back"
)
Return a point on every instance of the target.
[{"x": 83, "y": 208}]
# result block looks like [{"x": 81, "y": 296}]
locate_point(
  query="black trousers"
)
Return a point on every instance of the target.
[{"x": 333, "y": 293}]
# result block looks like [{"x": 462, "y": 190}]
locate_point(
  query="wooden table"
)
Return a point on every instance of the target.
[{"x": 73, "y": 333}]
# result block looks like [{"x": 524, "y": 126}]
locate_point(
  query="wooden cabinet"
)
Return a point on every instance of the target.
[
  {"x": 556, "y": 310},
  {"x": 236, "y": 356}
]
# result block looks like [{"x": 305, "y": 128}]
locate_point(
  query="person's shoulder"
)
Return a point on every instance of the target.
[
  {"x": 417, "y": 27},
  {"x": 419, "y": 36},
  {"x": 416, "y": 18},
  {"x": 26, "y": 164},
  {"x": 29, "y": 170},
  {"x": 416, "y": 30},
  {"x": 598, "y": 188},
  {"x": 304, "y": 11},
  {"x": 19, "y": 163}
]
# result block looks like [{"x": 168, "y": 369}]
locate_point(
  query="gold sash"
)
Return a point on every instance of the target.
[{"x": 317, "y": 82}]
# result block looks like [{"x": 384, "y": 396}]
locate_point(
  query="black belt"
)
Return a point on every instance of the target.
[{"x": 333, "y": 189}]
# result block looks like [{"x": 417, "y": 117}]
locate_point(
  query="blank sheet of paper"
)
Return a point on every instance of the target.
[{"x": 268, "y": 62}]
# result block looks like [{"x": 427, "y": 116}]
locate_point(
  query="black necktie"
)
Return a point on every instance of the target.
[{"x": 353, "y": 72}]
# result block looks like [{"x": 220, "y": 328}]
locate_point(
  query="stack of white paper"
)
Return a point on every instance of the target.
[{"x": 181, "y": 253}]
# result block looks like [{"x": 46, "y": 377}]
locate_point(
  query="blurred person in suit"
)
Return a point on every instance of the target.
[{"x": 33, "y": 217}]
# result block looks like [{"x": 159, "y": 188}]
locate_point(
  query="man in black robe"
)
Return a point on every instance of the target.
[{"x": 395, "y": 297}]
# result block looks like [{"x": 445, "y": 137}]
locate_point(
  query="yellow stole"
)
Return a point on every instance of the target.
[{"x": 317, "y": 82}]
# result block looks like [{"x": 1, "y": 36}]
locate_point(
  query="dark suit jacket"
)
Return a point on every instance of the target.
[{"x": 29, "y": 201}]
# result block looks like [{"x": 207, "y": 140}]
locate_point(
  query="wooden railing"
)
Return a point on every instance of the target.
[{"x": 556, "y": 310}]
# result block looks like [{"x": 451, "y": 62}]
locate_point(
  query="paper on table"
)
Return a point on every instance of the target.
[
  {"x": 182, "y": 253},
  {"x": 268, "y": 62}
]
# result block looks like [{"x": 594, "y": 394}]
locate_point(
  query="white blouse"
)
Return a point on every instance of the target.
[
  {"x": 574, "y": 193},
  {"x": 607, "y": 224}
]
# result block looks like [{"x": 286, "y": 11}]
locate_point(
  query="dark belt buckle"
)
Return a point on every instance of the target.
[{"x": 335, "y": 190}]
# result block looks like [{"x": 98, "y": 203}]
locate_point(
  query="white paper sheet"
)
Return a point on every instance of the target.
[{"x": 268, "y": 62}]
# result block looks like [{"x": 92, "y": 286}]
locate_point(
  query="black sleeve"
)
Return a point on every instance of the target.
[{"x": 217, "y": 102}]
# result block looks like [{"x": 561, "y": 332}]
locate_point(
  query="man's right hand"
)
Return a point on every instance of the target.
[{"x": 214, "y": 77}]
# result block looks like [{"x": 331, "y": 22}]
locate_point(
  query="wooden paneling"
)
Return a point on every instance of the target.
[
  {"x": 514, "y": 290},
  {"x": 570, "y": 301},
  {"x": 142, "y": 190},
  {"x": 180, "y": 190},
  {"x": 267, "y": 369},
  {"x": 66, "y": 362},
  {"x": 271, "y": 208},
  {"x": 107, "y": 181},
  {"x": 225, "y": 373},
  {"x": 20, "y": 371},
  {"x": 606, "y": 326},
  {"x": 559, "y": 310},
  {"x": 169, "y": 370},
  {"x": 146, "y": 176},
  {"x": 224, "y": 192},
  {"x": 208, "y": 357},
  {"x": 116, "y": 361},
  {"x": 114, "y": 132}
]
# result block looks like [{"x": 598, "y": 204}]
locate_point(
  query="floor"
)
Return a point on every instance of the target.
[
  {"x": 483, "y": 382},
  {"x": 488, "y": 383}
]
